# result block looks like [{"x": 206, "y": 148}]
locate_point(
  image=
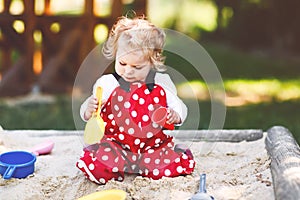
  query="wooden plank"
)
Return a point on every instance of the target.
[
  {"x": 6, "y": 19},
  {"x": 285, "y": 162},
  {"x": 48, "y": 10},
  {"x": 140, "y": 7},
  {"x": 51, "y": 42},
  {"x": 230, "y": 135},
  {"x": 30, "y": 22},
  {"x": 117, "y": 11},
  {"x": 6, "y": 60},
  {"x": 13, "y": 39},
  {"x": 13, "y": 82},
  {"x": 50, "y": 78},
  {"x": 87, "y": 25},
  {"x": 6, "y": 5}
]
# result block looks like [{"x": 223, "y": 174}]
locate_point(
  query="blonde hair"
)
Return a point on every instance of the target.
[{"x": 138, "y": 34}]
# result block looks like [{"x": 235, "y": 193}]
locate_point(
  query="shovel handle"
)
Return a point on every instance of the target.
[
  {"x": 42, "y": 148},
  {"x": 99, "y": 97},
  {"x": 202, "y": 187}
]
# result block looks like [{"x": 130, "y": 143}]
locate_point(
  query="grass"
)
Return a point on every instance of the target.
[
  {"x": 238, "y": 69},
  {"x": 252, "y": 73},
  {"x": 56, "y": 115},
  {"x": 265, "y": 116},
  {"x": 236, "y": 64},
  {"x": 255, "y": 116}
]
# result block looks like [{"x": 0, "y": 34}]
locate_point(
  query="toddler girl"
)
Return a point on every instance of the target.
[{"x": 132, "y": 143}]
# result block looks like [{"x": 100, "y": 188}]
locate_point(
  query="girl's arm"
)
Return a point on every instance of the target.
[
  {"x": 108, "y": 84},
  {"x": 173, "y": 101}
]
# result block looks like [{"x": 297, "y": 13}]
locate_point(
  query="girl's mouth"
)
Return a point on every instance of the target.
[{"x": 128, "y": 78}]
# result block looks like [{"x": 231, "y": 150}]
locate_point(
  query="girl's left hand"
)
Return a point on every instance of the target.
[{"x": 173, "y": 117}]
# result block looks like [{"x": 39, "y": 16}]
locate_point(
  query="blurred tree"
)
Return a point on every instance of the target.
[
  {"x": 250, "y": 26},
  {"x": 221, "y": 6},
  {"x": 48, "y": 36},
  {"x": 272, "y": 24},
  {"x": 285, "y": 22}
]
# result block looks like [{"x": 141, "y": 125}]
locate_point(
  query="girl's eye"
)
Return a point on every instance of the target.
[
  {"x": 138, "y": 67},
  {"x": 123, "y": 64}
]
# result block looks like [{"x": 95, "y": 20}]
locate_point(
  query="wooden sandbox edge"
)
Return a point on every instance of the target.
[{"x": 285, "y": 163}]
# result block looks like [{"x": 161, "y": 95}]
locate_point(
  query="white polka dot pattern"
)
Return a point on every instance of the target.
[{"x": 142, "y": 147}]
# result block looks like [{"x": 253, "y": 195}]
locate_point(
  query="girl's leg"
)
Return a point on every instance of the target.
[
  {"x": 104, "y": 165},
  {"x": 168, "y": 163}
]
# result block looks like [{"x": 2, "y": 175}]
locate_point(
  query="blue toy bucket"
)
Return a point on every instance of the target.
[{"x": 16, "y": 164}]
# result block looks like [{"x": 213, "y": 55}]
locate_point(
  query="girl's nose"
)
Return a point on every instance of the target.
[{"x": 128, "y": 69}]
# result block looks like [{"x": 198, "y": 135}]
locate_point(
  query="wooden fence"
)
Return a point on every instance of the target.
[{"x": 66, "y": 39}]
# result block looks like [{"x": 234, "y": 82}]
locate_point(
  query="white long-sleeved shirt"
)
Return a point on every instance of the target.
[{"x": 109, "y": 83}]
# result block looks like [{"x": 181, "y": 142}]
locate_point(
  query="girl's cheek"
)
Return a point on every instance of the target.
[{"x": 119, "y": 70}]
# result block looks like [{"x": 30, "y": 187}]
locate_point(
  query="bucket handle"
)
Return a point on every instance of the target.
[{"x": 9, "y": 172}]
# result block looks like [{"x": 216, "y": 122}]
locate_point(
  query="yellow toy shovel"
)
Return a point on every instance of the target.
[
  {"x": 113, "y": 194},
  {"x": 94, "y": 128}
]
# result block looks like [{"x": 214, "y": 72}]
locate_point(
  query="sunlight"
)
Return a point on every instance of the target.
[
  {"x": 187, "y": 14},
  {"x": 204, "y": 15},
  {"x": 37, "y": 62},
  {"x": 291, "y": 91},
  {"x": 55, "y": 27},
  {"x": 37, "y": 56},
  {"x": 245, "y": 92},
  {"x": 100, "y": 33},
  {"x": 227, "y": 13},
  {"x": 67, "y": 6},
  {"x": 38, "y": 37},
  {"x": 102, "y": 7},
  {"x": 207, "y": 15},
  {"x": 156, "y": 18},
  {"x": 1, "y": 6},
  {"x": 193, "y": 89},
  {"x": 127, "y": 1},
  {"x": 19, "y": 26},
  {"x": 39, "y": 7},
  {"x": 255, "y": 1},
  {"x": 16, "y": 7}
]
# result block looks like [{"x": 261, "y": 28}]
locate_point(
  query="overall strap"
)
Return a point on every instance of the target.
[
  {"x": 150, "y": 82},
  {"x": 123, "y": 84}
]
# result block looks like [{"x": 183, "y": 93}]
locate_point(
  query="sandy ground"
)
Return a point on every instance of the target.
[{"x": 234, "y": 171}]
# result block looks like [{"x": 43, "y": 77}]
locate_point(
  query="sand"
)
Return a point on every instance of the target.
[{"x": 234, "y": 171}]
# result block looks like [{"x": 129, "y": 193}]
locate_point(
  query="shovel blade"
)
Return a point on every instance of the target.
[{"x": 94, "y": 130}]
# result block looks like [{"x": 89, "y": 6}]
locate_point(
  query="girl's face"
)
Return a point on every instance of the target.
[{"x": 132, "y": 66}]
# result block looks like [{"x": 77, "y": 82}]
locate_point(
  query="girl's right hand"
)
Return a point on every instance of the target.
[{"x": 91, "y": 107}]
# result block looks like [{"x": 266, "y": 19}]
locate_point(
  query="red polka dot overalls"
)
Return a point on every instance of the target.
[{"x": 132, "y": 142}]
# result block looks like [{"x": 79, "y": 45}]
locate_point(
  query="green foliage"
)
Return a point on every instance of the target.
[
  {"x": 238, "y": 66},
  {"x": 233, "y": 63},
  {"x": 264, "y": 116},
  {"x": 256, "y": 116},
  {"x": 38, "y": 115},
  {"x": 234, "y": 67}
]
